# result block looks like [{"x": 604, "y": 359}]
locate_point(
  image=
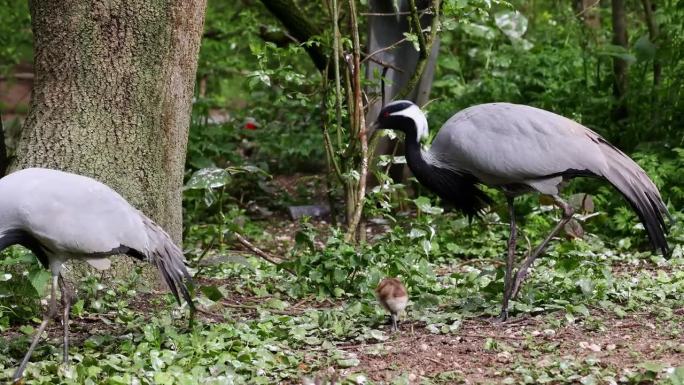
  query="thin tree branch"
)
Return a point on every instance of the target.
[
  {"x": 384, "y": 64},
  {"x": 204, "y": 253},
  {"x": 359, "y": 120},
  {"x": 418, "y": 29},
  {"x": 425, "y": 48},
  {"x": 336, "y": 65},
  {"x": 587, "y": 9},
  {"x": 384, "y": 14},
  {"x": 389, "y": 47},
  {"x": 258, "y": 251}
]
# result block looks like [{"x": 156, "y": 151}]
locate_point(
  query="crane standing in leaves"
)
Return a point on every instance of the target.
[
  {"x": 61, "y": 216},
  {"x": 519, "y": 149}
]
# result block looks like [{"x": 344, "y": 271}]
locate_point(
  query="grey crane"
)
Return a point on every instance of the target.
[
  {"x": 519, "y": 149},
  {"x": 61, "y": 216}
]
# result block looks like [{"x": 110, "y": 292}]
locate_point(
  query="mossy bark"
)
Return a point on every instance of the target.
[{"x": 113, "y": 94}]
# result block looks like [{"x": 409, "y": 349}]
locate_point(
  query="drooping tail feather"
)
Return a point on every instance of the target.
[
  {"x": 170, "y": 261},
  {"x": 641, "y": 193}
]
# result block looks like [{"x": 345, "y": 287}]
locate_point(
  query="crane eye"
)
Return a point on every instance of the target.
[{"x": 386, "y": 114}]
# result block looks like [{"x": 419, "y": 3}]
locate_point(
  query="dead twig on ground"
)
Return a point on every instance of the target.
[
  {"x": 259, "y": 252},
  {"x": 255, "y": 307}
]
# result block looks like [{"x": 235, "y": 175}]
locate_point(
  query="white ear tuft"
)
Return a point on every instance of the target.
[{"x": 418, "y": 117}]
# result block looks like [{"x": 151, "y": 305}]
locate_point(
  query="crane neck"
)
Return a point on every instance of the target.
[{"x": 417, "y": 160}]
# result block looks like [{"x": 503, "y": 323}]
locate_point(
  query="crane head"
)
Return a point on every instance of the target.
[{"x": 404, "y": 116}]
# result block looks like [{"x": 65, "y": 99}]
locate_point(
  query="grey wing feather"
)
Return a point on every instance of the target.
[
  {"x": 503, "y": 143},
  {"x": 79, "y": 217},
  {"x": 170, "y": 261}
]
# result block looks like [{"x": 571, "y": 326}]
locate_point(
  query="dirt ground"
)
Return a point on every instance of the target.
[
  {"x": 528, "y": 342},
  {"x": 481, "y": 351}
]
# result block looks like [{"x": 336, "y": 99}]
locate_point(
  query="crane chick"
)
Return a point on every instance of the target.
[{"x": 393, "y": 296}]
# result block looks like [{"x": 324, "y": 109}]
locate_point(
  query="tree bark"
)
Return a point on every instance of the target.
[
  {"x": 620, "y": 66},
  {"x": 653, "y": 32},
  {"x": 385, "y": 31},
  {"x": 113, "y": 95},
  {"x": 3, "y": 149}
]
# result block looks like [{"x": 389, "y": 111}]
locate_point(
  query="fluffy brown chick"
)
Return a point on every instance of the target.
[{"x": 393, "y": 296}]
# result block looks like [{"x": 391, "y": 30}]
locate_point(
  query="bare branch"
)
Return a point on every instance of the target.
[
  {"x": 425, "y": 49},
  {"x": 587, "y": 9},
  {"x": 418, "y": 29},
  {"x": 389, "y": 47},
  {"x": 359, "y": 123},
  {"x": 258, "y": 251}
]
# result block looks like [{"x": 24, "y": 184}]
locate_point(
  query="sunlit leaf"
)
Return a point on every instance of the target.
[
  {"x": 208, "y": 178},
  {"x": 512, "y": 23}
]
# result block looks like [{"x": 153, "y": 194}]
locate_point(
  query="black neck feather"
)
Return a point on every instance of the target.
[{"x": 458, "y": 189}]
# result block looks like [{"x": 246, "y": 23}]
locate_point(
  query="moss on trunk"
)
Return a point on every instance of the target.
[{"x": 113, "y": 94}]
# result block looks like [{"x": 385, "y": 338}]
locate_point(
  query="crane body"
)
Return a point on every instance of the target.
[
  {"x": 519, "y": 149},
  {"x": 61, "y": 216}
]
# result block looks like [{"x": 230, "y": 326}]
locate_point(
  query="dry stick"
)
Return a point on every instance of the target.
[
  {"x": 204, "y": 253},
  {"x": 338, "y": 81},
  {"x": 382, "y": 86},
  {"x": 383, "y": 49},
  {"x": 255, "y": 307},
  {"x": 438, "y": 362},
  {"x": 384, "y": 14},
  {"x": 472, "y": 261},
  {"x": 364, "y": 345},
  {"x": 494, "y": 337},
  {"x": 208, "y": 313},
  {"x": 383, "y": 63},
  {"x": 585, "y": 10},
  {"x": 258, "y": 251},
  {"x": 359, "y": 120}
]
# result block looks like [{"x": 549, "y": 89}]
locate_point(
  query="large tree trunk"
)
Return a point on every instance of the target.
[
  {"x": 653, "y": 32},
  {"x": 384, "y": 31},
  {"x": 3, "y": 150},
  {"x": 113, "y": 94},
  {"x": 620, "y": 66}
]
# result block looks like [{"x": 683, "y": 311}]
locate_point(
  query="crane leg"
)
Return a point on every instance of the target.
[
  {"x": 49, "y": 315},
  {"x": 524, "y": 267},
  {"x": 510, "y": 260},
  {"x": 67, "y": 299}
]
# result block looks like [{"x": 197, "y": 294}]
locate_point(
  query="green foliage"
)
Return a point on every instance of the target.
[
  {"x": 252, "y": 78},
  {"x": 22, "y": 283},
  {"x": 16, "y": 39},
  {"x": 264, "y": 325},
  {"x": 545, "y": 57}
]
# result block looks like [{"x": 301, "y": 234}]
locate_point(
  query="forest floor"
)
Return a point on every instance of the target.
[{"x": 255, "y": 327}]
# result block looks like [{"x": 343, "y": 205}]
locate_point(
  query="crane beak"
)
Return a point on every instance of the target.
[{"x": 374, "y": 126}]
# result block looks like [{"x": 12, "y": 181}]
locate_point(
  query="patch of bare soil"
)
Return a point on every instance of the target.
[{"x": 482, "y": 351}]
